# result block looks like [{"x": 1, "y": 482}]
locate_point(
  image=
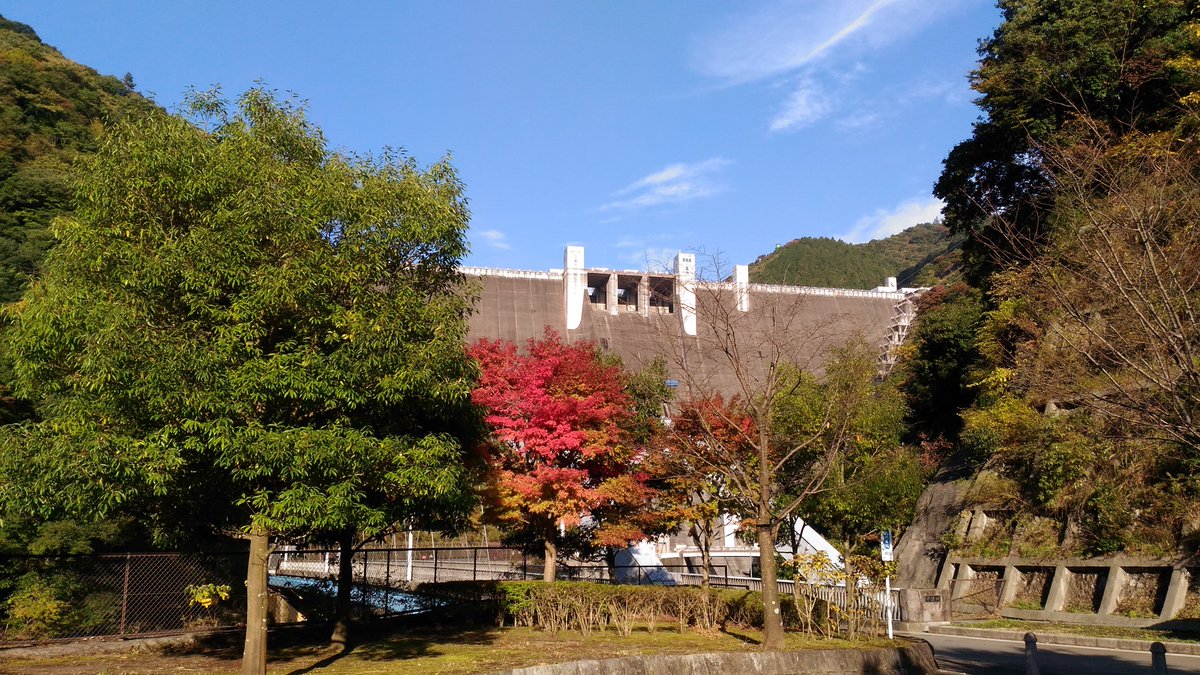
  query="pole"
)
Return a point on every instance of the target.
[
  {"x": 887, "y": 584},
  {"x": 125, "y": 595},
  {"x": 408, "y": 565},
  {"x": 1158, "y": 659},
  {"x": 885, "y": 555},
  {"x": 366, "y": 559},
  {"x": 1031, "y": 660}
]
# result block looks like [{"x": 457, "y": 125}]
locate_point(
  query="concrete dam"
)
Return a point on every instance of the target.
[{"x": 698, "y": 326}]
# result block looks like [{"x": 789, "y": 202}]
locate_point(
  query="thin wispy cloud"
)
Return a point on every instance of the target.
[
  {"x": 649, "y": 252},
  {"x": 804, "y": 45},
  {"x": 807, "y": 104},
  {"x": 951, "y": 91},
  {"x": 653, "y": 258},
  {"x": 886, "y": 222},
  {"x": 673, "y": 184},
  {"x": 856, "y": 122},
  {"x": 783, "y": 36},
  {"x": 496, "y": 239}
]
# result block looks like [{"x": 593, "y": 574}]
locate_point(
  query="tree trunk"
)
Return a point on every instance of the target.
[
  {"x": 342, "y": 607},
  {"x": 548, "y": 571},
  {"x": 705, "y": 559},
  {"x": 772, "y": 616},
  {"x": 254, "y": 655}
]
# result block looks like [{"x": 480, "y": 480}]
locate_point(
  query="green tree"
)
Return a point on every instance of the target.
[
  {"x": 875, "y": 482},
  {"x": 941, "y": 355},
  {"x": 1120, "y": 62},
  {"x": 746, "y": 430},
  {"x": 239, "y": 318}
]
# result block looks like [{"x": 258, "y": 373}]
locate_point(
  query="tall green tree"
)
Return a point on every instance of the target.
[
  {"x": 1122, "y": 63},
  {"x": 238, "y": 318},
  {"x": 875, "y": 482}
]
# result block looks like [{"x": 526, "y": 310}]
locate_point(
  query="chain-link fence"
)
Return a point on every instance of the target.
[
  {"x": 139, "y": 594},
  {"x": 72, "y": 596}
]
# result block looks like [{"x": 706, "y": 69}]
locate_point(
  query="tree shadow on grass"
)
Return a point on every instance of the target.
[
  {"x": 295, "y": 646},
  {"x": 395, "y": 639},
  {"x": 739, "y": 636},
  {"x": 327, "y": 661},
  {"x": 424, "y": 643}
]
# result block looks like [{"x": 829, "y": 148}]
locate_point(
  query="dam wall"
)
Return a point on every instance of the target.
[{"x": 696, "y": 325}]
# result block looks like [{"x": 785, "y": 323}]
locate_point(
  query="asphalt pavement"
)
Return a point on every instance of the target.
[{"x": 985, "y": 656}]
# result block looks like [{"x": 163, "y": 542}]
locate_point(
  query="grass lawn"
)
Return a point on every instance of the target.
[
  {"x": 413, "y": 649},
  {"x": 1190, "y": 634}
]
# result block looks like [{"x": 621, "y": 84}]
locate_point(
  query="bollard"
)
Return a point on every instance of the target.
[
  {"x": 1031, "y": 664},
  {"x": 1158, "y": 659}
]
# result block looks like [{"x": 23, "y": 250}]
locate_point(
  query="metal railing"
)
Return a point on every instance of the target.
[
  {"x": 870, "y": 600},
  {"x": 393, "y": 566}
]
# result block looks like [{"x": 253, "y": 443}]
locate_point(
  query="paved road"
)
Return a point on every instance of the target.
[{"x": 1004, "y": 657}]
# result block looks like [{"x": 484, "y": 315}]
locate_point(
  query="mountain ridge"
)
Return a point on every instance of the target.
[{"x": 921, "y": 255}]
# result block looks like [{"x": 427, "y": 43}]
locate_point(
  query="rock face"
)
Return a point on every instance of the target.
[{"x": 919, "y": 552}]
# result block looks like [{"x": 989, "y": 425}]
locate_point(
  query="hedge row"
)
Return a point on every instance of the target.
[{"x": 588, "y": 607}]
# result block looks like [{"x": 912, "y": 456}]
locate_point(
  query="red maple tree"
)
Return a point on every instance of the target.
[{"x": 560, "y": 451}]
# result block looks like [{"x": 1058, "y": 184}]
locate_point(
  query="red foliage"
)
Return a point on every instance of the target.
[
  {"x": 556, "y": 414},
  {"x": 716, "y": 430}
]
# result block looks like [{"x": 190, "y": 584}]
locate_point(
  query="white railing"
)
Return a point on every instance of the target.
[
  {"x": 512, "y": 274},
  {"x": 833, "y": 292},
  {"x": 557, "y": 275},
  {"x": 873, "y": 601}
]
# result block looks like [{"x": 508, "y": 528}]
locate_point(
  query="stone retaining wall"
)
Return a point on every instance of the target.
[{"x": 1118, "y": 590}]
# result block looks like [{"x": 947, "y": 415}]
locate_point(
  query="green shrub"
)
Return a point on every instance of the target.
[
  {"x": 37, "y": 611},
  {"x": 745, "y": 608},
  {"x": 587, "y": 607}
]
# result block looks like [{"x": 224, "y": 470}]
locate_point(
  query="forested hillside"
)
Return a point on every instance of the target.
[
  {"x": 51, "y": 109},
  {"x": 921, "y": 255},
  {"x": 1071, "y": 357}
]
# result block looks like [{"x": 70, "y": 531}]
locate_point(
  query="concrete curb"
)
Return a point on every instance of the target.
[
  {"x": 1189, "y": 648},
  {"x": 90, "y": 647},
  {"x": 914, "y": 659}
]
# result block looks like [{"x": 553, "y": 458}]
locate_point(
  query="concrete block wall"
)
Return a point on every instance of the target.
[{"x": 1134, "y": 591}]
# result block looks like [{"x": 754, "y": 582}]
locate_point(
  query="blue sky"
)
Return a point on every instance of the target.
[{"x": 633, "y": 129}]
